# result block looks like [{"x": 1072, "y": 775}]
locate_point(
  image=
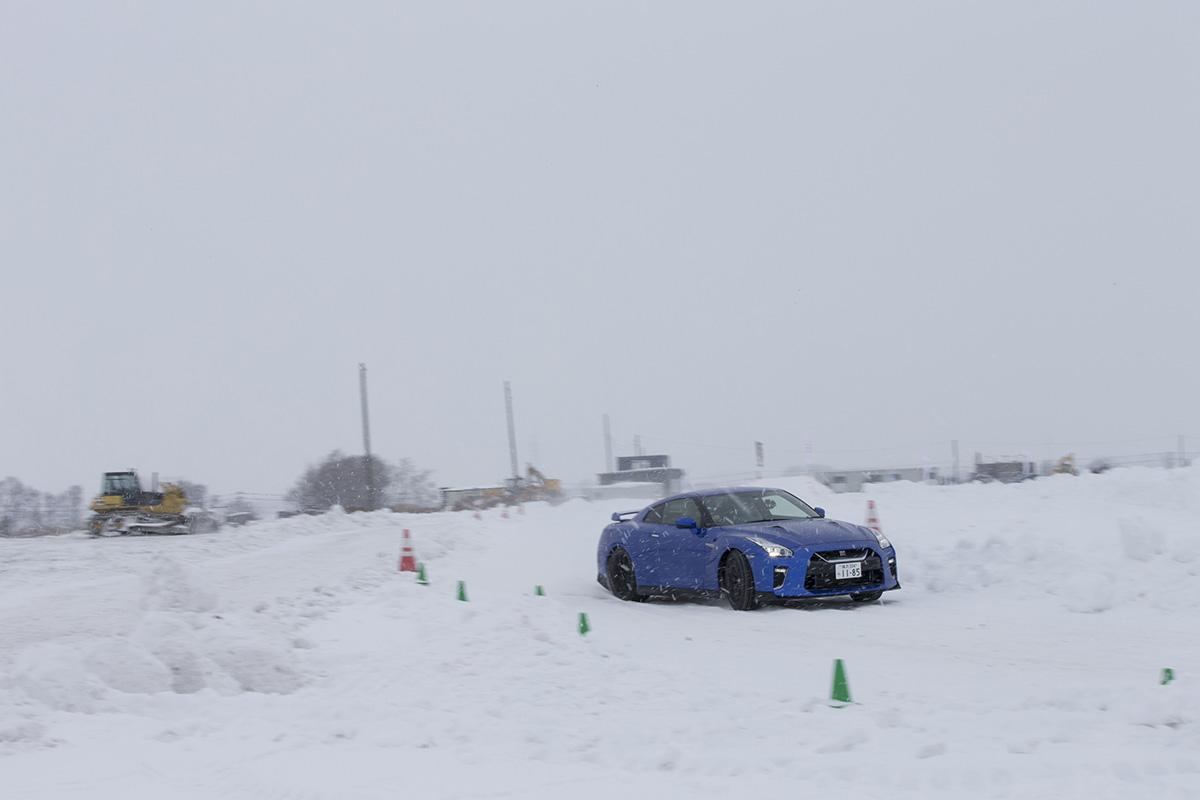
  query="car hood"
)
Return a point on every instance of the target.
[{"x": 806, "y": 532}]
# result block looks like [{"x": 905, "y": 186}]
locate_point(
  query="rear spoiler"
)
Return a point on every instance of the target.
[{"x": 621, "y": 516}]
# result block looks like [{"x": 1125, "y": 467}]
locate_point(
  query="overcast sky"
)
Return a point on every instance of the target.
[{"x": 872, "y": 227}]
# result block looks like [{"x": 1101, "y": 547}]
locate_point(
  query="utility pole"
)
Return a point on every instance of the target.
[
  {"x": 954, "y": 450},
  {"x": 1182, "y": 452},
  {"x": 637, "y": 444},
  {"x": 366, "y": 423},
  {"x": 608, "y": 465},
  {"x": 512, "y": 431},
  {"x": 758, "y": 458}
]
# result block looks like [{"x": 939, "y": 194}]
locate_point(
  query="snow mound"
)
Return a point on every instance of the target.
[
  {"x": 56, "y": 676},
  {"x": 122, "y": 665},
  {"x": 180, "y": 645},
  {"x": 1090, "y": 594},
  {"x": 164, "y": 655},
  {"x": 218, "y": 653},
  {"x": 168, "y": 586},
  {"x": 1141, "y": 539},
  {"x": 254, "y": 660},
  {"x": 25, "y": 731}
]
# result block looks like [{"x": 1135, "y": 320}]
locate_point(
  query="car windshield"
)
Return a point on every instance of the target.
[{"x": 765, "y": 505}]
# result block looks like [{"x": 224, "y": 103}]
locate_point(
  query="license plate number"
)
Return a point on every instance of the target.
[{"x": 844, "y": 571}]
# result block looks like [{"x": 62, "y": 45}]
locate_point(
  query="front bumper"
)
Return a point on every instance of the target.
[{"x": 815, "y": 573}]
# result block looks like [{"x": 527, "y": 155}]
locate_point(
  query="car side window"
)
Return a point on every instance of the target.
[
  {"x": 655, "y": 515},
  {"x": 683, "y": 507}
]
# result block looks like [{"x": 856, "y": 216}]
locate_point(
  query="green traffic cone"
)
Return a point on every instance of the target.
[
  {"x": 538, "y": 591},
  {"x": 422, "y": 578},
  {"x": 1168, "y": 675},
  {"x": 841, "y": 689},
  {"x": 583, "y": 624},
  {"x": 462, "y": 591}
]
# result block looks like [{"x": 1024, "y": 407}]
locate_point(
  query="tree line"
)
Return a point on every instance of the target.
[
  {"x": 336, "y": 480},
  {"x": 25, "y": 511}
]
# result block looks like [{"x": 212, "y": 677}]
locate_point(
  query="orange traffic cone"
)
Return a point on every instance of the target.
[
  {"x": 408, "y": 562},
  {"x": 504, "y": 514},
  {"x": 873, "y": 517}
]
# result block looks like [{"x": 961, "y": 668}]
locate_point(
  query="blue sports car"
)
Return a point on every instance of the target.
[{"x": 749, "y": 545}]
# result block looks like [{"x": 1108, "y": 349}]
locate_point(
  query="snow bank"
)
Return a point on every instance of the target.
[
  {"x": 180, "y": 644},
  {"x": 1092, "y": 543},
  {"x": 1021, "y": 658}
]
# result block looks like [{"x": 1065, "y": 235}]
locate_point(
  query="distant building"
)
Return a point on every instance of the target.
[
  {"x": 633, "y": 463},
  {"x": 853, "y": 480},
  {"x": 1010, "y": 470},
  {"x": 641, "y": 476}
]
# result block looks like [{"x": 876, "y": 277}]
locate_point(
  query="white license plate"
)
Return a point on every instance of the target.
[{"x": 844, "y": 571}]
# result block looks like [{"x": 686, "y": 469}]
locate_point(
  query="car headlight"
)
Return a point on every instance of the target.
[
  {"x": 879, "y": 537},
  {"x": 773, "y": 550}
]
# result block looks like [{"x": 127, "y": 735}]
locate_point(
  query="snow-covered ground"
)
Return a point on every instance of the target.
[{"x": 290, "y": 660}]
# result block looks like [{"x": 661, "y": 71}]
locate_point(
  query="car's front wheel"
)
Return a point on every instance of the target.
[
  {"x": 737, "y": 582},
  {"x": 621, "y": 579}
]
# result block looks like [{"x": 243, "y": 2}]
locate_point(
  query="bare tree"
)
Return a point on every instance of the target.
[
  {"x": 341, "y": 480},
  {"x": 25, "y": 511},
  {"x": 411, "y": 486}
]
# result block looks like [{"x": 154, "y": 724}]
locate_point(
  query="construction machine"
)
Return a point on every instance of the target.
[
  {"x": 537, "y": 486},
  {"x": 124, "y": 507},
  {"x": 1065, "y": 466}
]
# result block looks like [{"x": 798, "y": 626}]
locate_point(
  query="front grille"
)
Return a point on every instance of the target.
[
  {"x": 821, "y": 570},
  {"x": 833, "y": 556}
]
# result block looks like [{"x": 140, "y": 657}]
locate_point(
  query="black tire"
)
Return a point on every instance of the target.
[
  {"x": 737, "y": 582},
  {"x": 866, "y": 597},
  {"x": 622, "y": 581}
]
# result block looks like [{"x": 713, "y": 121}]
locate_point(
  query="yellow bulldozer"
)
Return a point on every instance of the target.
[
  {"x": 537, "y": 486},
  {"x": 124, "y": 507},
  {"x": 1065, "y": 466}
]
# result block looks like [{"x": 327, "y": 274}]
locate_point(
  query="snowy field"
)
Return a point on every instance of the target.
[{"x": 289, "y": 660}]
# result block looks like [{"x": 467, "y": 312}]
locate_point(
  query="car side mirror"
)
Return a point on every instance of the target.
[
  {"x": 686, "y": 522},
  {"x": 820, "y": 512}
]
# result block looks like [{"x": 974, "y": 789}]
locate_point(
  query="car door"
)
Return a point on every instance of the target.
[
  {"x": 684, "y": 552},
  {"x": 644, "y": 546}
]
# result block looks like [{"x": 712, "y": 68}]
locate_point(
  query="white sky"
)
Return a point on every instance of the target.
[{"x": 869, "y": 226}]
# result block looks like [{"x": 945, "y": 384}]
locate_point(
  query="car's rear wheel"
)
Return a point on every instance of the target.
[
  {"x": 622, "y": 581},
  {"x": 737, "y": 582},
  {"x": 866, "y": 597}
]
